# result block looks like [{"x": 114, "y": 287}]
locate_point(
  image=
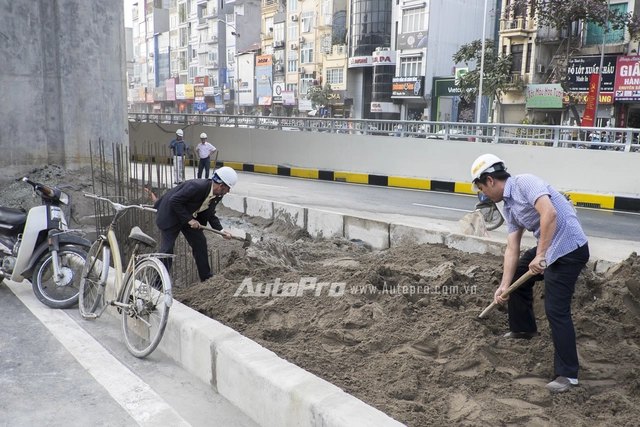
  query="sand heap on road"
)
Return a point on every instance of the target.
[{"x": 404, "y": 334}]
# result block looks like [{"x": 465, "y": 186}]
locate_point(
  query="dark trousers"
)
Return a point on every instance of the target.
[
  {"x": 560, "y": 283},
  {"x": 196, "y": 240},
  {"x": 204, "y": 164}
]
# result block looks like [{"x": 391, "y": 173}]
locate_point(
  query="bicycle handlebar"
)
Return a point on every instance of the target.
[{"x": 120, "y": 207}]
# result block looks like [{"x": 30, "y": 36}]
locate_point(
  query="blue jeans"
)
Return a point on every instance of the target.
[
  {"x": 560, "y": 283},
  {"x": 204, "y": 164}
]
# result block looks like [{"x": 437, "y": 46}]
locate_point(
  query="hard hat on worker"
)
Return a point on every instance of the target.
[
  {"x": 486, "y": 163},
  {"x": 225, "y": 175},
  {"x": 203, "y": 135},
  {"x": 179, "y": 132}
]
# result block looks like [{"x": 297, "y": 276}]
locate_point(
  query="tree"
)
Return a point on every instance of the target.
[
  {"x": 319, "y": 95},
  {"x": 497, "y": 72},
  {"x": 563, "y": 16}
]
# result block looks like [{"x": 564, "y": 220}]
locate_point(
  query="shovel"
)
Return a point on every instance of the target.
[
  {"x": 526, "y": 276},
  {"x": 245, "y": 242}
]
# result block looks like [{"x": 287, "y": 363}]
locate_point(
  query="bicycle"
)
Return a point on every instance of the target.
[{"x": 142, "y": 294}]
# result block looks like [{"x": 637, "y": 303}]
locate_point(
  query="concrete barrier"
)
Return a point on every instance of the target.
[
  {"x": 258, "y": 207},
  {"x": 375, "y": 233},
  {"x": 325, "y": 224},
  {"x": 290, "y": 214}
]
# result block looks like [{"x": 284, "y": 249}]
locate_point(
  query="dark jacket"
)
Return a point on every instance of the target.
[{"x": 178, "y": 205}]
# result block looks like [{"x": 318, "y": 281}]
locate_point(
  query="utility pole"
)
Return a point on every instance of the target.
[{"x": 604, "y": 40}]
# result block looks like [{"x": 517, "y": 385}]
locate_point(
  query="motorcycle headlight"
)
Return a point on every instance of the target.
[{"x": 64, "y": 198}]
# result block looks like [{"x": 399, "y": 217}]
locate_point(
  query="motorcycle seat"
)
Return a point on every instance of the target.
[{"x": 12, "y": 216}]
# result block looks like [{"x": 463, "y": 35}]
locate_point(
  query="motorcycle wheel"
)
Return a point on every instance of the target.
[
  {"x": 492, "y": 217},
  {"x": 63, "y": 294}
]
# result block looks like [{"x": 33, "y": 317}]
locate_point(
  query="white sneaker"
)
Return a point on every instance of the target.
[{"x": 562, "y": 384}]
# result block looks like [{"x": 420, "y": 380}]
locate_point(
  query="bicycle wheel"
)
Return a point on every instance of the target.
[
  {"x": 61, "y": 292},
  {"x": 94, "y": 278},
  {"x": 148, "y": 295}
]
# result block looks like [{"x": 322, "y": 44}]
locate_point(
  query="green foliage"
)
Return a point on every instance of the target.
[
  {"x": 497, "y": 70},
  {"x": 560, "y": 14},
  {"x": 319, "y": 95}
]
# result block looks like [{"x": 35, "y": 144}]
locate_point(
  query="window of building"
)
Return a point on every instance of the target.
[
  {"x": 411, "y": 66},
  {"x": 326, "y": 14},
  {"x": 212, "y": 56},
  {"x": 517, "y": 50},
  {"x": 278, "y": 31},
  {"x": 595, "y": 33},
  {"x": 413, "y": 20},
  {"x": 306, "y": 80},
  {"x": 335, "y": 76},
  {"x": 292, "y": 5},
  {"x": 294, "y": 88},
  {"x": 231, "y": 18},
  {"x": 184, "y": 37},
  {"x": 307, "y": 22},
  {"x": 292, "y": 65},
  {"x": 306, "y": 53},
  {"x": 193, "y": 72},
  {"x": 268, "y": 25},
  {"x": 292, "y": 33}
]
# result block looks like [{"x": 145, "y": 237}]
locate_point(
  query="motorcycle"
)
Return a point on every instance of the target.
[
  {"x": 38, "y": 246},
  {"x": 490, "y": 211}
]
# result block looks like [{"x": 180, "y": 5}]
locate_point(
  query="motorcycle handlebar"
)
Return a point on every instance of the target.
[{"x": 37, "y": 186}]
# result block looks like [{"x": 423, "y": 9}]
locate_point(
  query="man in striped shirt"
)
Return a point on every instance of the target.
[{"x": 561, "y": 253}]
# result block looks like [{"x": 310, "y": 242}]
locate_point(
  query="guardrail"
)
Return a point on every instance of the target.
[{"x": 616, "y": 139}]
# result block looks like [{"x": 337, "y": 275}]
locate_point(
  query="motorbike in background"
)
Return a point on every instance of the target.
[
  {"x": 38, "y": 246},
  {"x": 491, "y": 212}
]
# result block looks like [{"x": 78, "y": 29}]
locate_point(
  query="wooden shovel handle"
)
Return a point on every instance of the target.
[
  {"x": 526, "y": 276},
  {"x": 220, "y": 233}
]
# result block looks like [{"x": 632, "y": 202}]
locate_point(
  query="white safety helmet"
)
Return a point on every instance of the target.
[
  {"x": 225, "y": 175},
  {"x": 179, "y": 132},
  {"x": 486, "y": 163},
  {"x": 203, "y": 135}
]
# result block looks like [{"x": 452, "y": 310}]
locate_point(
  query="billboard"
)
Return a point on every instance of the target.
[
  {"x": 407, "y": 86},
  {"x": 627, "y": 83}
]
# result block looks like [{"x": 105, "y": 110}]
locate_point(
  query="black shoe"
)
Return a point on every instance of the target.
[
  {"x": 521, "y": 335},
  {"x": 209, "y": 276}
]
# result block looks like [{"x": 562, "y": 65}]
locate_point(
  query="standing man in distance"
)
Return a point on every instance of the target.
[
  {"x": 532, "y": 204},
  {"x": 204, "y": 150},
  {"x": 179, "y": 148},
  {"x": 186, "y": 207}
]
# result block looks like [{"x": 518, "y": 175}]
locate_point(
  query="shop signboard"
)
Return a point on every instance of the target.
[
  {"x": 581, "y": 68},
  {"x": 288, "y": 97},
  {"x": 180, "y": 94},
  {"x": 170, "y": 84},
  {"x": 544, "y": 96},
  {"x": 403, "y": 87},
  {"x": 627, "y": 84},
  {"x": 188, "y": 91},
  {"x": 278, "y": 88},
  {"x": 412, "y": 40}
]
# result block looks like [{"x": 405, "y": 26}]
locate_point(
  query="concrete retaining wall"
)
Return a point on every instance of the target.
[{"x": 567, "y": 169}]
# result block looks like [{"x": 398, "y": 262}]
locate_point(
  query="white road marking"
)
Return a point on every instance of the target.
[
  {"x": 440, "y": 207},
  {"x": 144, "y": 405},
  {"x": 268, "y": 185}
]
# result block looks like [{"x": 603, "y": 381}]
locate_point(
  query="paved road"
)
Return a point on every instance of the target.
[
  {"x": 396, "y": 202},
  {"x": 59, "y": 370}
]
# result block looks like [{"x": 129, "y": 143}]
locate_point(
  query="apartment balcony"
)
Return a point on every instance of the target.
[
  {"x": 208, "y": 38},
  {"x": 211, "y": 64},
  {"x": 517, "y": 82},
  {"x": 210, "y": 12},
  {"x": 517, "y": 27}
]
